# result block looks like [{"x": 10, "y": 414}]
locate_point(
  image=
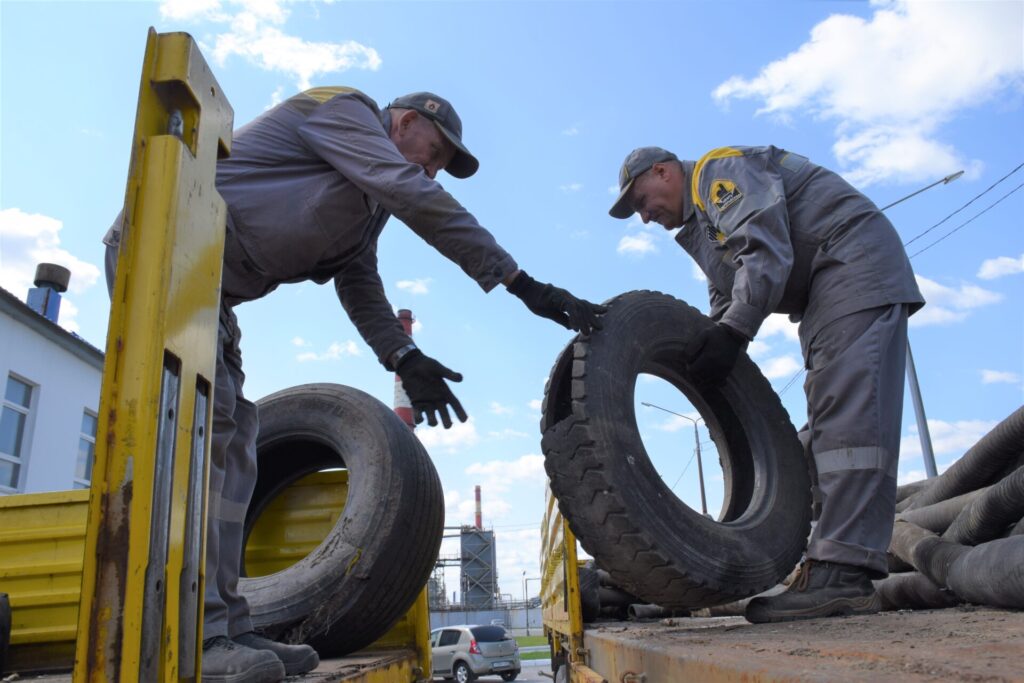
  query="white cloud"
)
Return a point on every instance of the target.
[
  {"x": 571, "y": 187},
  {"x": 697, "y": 273},
  {"x": 780, "y": 366},
  {"x": 492, "y": 508},
  {"x": 276, "y": 98},
  {"x": 777, "y": 323},
  {"x": 571, "y": 131},
  {"x": 335, "y": 351},
  {"x": 948, "y": 438},
  {"x": 299, "y": 341},
  {"x": 639, "y": 244},
  {"x": 499, "y": 409},
  {"x": 461, "y": 436},
  {"x": 501, "y": 475},
  {"x": 613, "y": 190},
  {"x": 507, "y": 433},
  {"x": 910, "y": 477},
  {"x": 415, "y": 286},
  {"x": 28, "y": 239},
  {"x": 758, "y": 349},
  {"x": 891, "y": 81},
  {"x": 998, "y": 267},
  {"x": 254, "y": 33},
  {"x": 999, "y": 377},
  {"x": 68, "y": 315},
  {"x": 417, "y": 326},
  {"x": 947, "y": 305},
  {"x": 536, "y": 404}
]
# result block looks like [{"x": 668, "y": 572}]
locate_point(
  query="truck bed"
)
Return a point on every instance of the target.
[
  {"x": 962, "y": 644},
  {"x": 386, "y": 666}
]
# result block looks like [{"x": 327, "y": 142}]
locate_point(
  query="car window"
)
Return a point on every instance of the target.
[
  {"x": 434, "y": 638},
  {"x": 489, "y": 634},
  {"x": 448, "y": 637}
]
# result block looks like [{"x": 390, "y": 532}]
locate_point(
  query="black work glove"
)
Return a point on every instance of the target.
[
  {"x": 556, "y": 304},
  {"x": 423, "y": 379},
  {"x": 712, "y": 353}
]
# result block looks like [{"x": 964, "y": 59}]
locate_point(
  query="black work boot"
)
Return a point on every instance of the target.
[
  {"x": 227, "y": 662},
  {"x": 820, "y": 589},
  {"x": 297, "y": 659}
]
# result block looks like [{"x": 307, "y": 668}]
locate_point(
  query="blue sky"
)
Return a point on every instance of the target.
[{"x": 553, "y": 95}]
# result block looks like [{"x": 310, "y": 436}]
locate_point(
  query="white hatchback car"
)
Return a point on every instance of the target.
[{"x": 467, "y": 652}]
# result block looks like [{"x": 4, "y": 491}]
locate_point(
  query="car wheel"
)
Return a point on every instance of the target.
[
  {"x": 372, "y": 565},
  {"x": 509, "y": 675},
  {"x": 462, "y": 673},
  {"x": 623, "y": 513}
]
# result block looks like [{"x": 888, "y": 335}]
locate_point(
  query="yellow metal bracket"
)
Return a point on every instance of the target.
[
  {"x": 560, "y": 585},
  {"x": 140, "y": 615}
]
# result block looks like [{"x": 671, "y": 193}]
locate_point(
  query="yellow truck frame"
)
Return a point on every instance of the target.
[{"x": 111, "y": 579}]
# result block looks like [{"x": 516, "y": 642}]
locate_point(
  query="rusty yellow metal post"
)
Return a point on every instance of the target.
[
  {"x": 560, "y": 585},
  {"x": 140, "y": 615}
]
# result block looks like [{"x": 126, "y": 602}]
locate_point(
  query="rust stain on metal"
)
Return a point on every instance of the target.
[{"x": 111, "y": 575}]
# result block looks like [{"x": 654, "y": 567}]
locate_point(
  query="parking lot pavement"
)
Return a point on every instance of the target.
[{"x": 531, "y": 673}]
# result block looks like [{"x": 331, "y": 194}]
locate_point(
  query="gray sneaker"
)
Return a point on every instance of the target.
[
  {"x": 297, "y": 659},
  {"x": 227, "y": 662},
  {"x": 820, "y": 589}
]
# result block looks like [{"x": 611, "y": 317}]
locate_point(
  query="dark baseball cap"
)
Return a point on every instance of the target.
[
  {"x": 638, "y": 162},
  {"x": 441, "y": 112}
]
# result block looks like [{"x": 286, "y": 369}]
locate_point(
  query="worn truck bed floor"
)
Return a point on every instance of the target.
[
  {"x": 383, "y": 666},
  {"x": 960, "y": 644}
]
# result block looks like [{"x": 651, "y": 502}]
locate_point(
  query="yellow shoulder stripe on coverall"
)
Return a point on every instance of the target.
[
  {"x": 321, "y": 95},
  {"x": 717, "y": 153}
]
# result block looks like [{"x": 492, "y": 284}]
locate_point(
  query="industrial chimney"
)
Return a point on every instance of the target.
[
  {"x": 51, "y": 280},
  {"x": 479, "y": 513},
  {"x": 403, "y": 407}
]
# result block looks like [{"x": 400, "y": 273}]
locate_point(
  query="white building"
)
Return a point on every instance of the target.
[{"x": 51, "y": 383}]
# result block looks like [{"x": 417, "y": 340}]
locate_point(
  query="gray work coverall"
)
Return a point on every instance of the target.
[
  {"x": 309, "y": 186},
  {"x": 776, "y": 233}
]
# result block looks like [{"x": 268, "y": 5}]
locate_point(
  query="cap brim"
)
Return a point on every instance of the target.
[
  {"x": 622, "y": 208},
  {"x": 463, "y": 164}
]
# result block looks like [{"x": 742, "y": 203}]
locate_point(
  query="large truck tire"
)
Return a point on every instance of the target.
[
  {"x": 650, "y": 542},
  {"x": 377, "y": 558}
]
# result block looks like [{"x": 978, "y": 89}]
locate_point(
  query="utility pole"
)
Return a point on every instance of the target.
[
  {"x": 915, "y": 390},
  {"x": 696, "y": 440}
]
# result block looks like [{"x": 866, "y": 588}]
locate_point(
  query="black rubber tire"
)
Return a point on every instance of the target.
[
  {"x": 590, "y": 597},
  {"x": 468, "y": 674},
  {"x": 623, "y": 514},
  {"x": 374, "y": 563},
  {"x": 509, "y": 675}
]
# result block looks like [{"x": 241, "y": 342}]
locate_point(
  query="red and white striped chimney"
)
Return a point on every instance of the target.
[
  {"x": 403, "y": 407},
  {"x": 479, "y": 513}
]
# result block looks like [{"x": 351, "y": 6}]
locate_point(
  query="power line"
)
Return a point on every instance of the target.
[
  {"x": 945, "y": 180},
  {"x": 989, "y": 189},
  {"x": 969, "y": 220}
]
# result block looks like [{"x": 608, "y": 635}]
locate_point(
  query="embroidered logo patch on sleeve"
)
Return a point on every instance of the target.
[{"x": 724, "y": 194}]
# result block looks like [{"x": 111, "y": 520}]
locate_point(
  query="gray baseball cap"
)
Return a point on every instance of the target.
[
  {"x": 638, "y": 162},
  {"x": 441, "y": 112}
]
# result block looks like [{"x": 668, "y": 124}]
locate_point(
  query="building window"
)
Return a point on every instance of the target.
[
  {"x": 86, "y": 451},
  {"x": 13, "y": 421}
]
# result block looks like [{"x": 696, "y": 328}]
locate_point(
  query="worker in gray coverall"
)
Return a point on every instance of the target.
[
  {"x": 309, "y": 186},
  {"x": 776, "y": 233}
]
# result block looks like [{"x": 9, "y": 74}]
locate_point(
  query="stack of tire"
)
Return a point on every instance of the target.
[
  {"x": 959, "y": 537},
  {"x": 650, "y": 543},
  {"x": 377, "y": 558}
]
